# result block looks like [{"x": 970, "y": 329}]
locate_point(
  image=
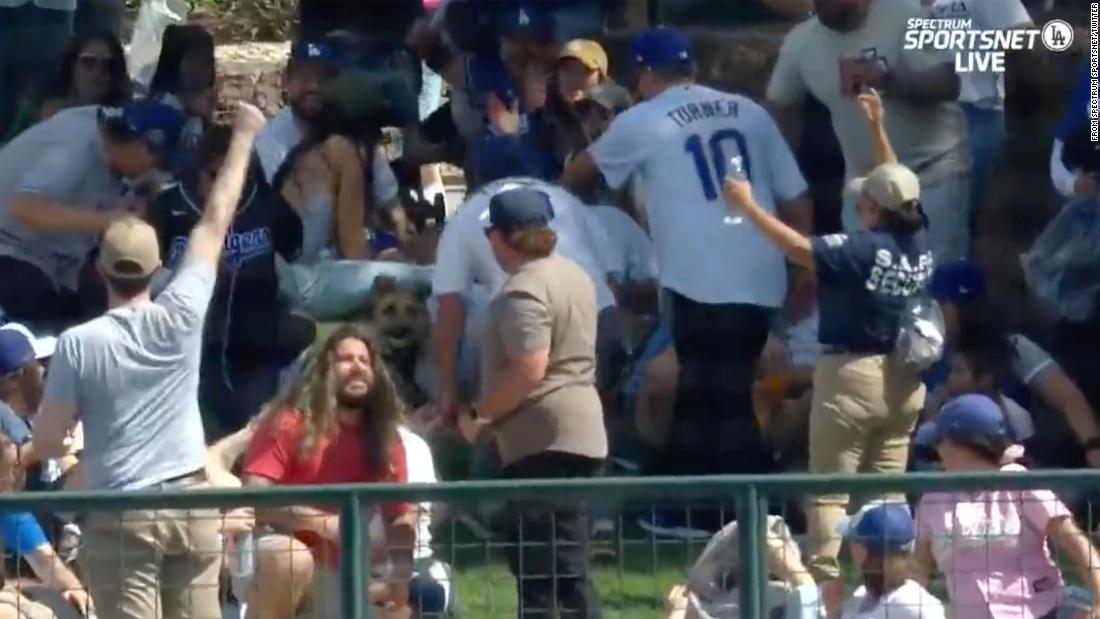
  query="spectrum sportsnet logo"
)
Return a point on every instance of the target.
[{"x": 983, "y": 50}]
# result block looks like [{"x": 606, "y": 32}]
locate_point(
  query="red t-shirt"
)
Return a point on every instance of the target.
[{"x": 274, "y": 454}]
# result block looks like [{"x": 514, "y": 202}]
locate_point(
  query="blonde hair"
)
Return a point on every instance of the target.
[{"x": 533, "y": 242}]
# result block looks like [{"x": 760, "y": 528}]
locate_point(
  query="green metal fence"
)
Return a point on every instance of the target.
[{"x": 751, "y": 494}]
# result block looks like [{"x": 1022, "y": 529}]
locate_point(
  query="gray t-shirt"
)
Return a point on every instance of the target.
[
  {"x": 133, "y": 377},
  {"x": 63, "y": 159},
  {"x": 929, "y": 138}
]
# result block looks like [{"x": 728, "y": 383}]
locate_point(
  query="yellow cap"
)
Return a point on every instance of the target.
[
  {"x": 129, "y": 249},
  {"x": 587, "y": 52}
]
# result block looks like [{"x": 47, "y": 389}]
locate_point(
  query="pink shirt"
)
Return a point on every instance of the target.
[{"x": 991, "y": 547}]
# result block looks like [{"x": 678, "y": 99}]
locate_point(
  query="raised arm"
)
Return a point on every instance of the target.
[
  {"x": 208, "y": 236},
  {"x": 875, "y": 115}
]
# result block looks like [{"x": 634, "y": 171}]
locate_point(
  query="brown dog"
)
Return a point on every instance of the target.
[{"x": 401, "y": 320}]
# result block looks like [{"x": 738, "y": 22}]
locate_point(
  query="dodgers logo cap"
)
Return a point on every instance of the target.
[
  {"x": 881, "y": 526},
  {"x": 157, "y": 124},
  {"x": 657, "y": 48},
  {"x": 961, "y": 280}
]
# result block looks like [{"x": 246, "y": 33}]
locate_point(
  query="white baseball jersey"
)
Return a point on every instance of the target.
[
  {"x": 464, "y": 257},
  {"x": 681, "y": 143}
]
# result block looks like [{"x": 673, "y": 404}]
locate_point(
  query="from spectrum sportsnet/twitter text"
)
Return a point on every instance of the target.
[{"x": 1094, "y": 77}]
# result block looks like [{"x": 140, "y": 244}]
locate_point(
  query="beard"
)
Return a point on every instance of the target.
[
  {"x": 346, "y": 399},
  {"x": 305, "y": 112}
]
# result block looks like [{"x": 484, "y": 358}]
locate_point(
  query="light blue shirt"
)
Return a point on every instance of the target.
[
  {"x": 680, "y": 144},
  {"x": 133, "y": 377}
]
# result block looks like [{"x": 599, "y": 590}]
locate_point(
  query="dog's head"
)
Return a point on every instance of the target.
[{"x": 400, "y": 316}]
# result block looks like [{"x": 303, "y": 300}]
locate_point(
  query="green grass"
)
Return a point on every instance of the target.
[{"x": 633, "y": 574}]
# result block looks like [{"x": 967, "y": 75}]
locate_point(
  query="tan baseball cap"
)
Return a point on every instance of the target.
[
  {"x": 890, "y": 185},
  {"x": 587, "y": 52},
  {"x": 129, "y": 249}
]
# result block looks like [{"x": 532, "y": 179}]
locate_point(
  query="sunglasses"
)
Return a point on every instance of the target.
[{"x": 91, "y": 62}]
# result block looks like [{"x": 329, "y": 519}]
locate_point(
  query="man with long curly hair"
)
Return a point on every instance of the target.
[{"x": 337, "y": 423}]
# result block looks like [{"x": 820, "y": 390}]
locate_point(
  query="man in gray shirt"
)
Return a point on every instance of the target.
[
  {"x": 59, "y": 189},
  {"x": 132, "y": 377}
]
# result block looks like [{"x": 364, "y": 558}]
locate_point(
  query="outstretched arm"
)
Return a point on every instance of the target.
[{"x": 208, "y": 236}]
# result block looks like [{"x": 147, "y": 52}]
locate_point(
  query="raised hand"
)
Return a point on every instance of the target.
[
  {"x": 248, "y": 119},
  {"x": 871, "y": 104}
]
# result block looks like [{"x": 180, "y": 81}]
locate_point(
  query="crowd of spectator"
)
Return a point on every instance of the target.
[{"x": 639, "y": 278}]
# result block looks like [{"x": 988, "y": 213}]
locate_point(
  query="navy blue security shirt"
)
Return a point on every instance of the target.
[{"x": 865, "y": 281}]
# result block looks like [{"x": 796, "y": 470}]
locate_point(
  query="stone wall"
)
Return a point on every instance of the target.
[{"x": 1020, "y": 200}]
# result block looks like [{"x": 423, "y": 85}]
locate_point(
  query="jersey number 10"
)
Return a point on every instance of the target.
[{"x": 712, "y": 170}]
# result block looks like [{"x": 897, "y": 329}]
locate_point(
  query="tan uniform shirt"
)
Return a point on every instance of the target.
[{"x": 548, "y": 304}]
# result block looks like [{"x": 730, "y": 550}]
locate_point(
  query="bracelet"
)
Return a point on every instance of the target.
[{"x": 1091, "y": 444}]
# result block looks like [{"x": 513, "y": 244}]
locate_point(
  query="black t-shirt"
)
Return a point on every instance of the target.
[
  {"x": 246, "y": 299},
  {"x": 865, "y": 282}
]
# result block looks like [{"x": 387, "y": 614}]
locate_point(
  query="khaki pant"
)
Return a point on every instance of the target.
[
  {"x": 864, "y": 409},
  {"x": 149, "y": 564}
]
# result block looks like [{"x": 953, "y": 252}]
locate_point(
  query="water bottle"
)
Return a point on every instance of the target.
[
  {"x": 241, "y": 560},
  {"x": 735, "y": 172}
]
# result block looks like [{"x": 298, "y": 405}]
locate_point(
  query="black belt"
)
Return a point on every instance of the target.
[{"x": 197, "y": 476}]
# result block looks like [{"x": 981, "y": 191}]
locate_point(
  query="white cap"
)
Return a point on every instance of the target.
[{"x": 43, "y": 346}]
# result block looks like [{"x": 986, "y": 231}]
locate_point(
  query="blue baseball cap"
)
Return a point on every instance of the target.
[
  {"x": 973, "y": 420},
  {"x": 520, "y": 207},
  {"x": 504, "y": 156},
  {"x": 957, "y": 281},
  {"x": 316, "y": 51},
  {"x": 16, "y": 351},
  {"x": 656, "y": 48},
  {"x": 157, "y": 124},
  {"x": 525, "y": 18},
  {"x": 881, "y": 527}
]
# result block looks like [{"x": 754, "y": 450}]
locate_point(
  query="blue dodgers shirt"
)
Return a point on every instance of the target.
[
  {"x": 865, "y": 281},
  {"x": 1077, "y": 110},
  {"x": 21, "y": 533}
]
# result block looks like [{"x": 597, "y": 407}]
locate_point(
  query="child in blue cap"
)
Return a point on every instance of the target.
[
  {"x": 992, "y": 545},
  {"x": 881, "y": 536}
]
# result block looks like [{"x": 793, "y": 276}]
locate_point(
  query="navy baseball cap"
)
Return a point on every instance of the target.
[
  {"x": 957, "y": 281},
  {"x": 520, "y": 207},
  {"x": 316, "y": 51},
  {"x": 504, "y": 156},
  {"x": 881, "y": 527},
  {"x": 656, "y": 48},
  {"x": 531, "y": 18},
  {"x": 157, "y": 124},
  {"x": 974, "y": 420},
  {"x": 16, "y": 351}
]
